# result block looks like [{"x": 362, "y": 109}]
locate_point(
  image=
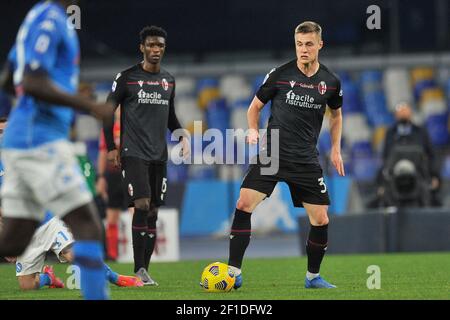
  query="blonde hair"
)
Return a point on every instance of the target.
[{"x": 309, "y": 26}]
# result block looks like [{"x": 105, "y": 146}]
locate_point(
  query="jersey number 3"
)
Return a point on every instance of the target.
[{"x": 322, "y": 183}]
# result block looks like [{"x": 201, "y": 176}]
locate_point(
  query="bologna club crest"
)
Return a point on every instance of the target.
[
  {"x": 322, "y": 87},
  {"x": 165, "y": 84}
]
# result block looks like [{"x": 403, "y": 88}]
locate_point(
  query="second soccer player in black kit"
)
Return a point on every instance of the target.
[
  {"x": 146, "y": 94},
  {"x": 300, "y": 91}
]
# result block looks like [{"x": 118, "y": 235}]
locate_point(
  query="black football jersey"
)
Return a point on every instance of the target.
[
  {"x": 147, "y": 110},
  {"x": 298, "y": 106}
]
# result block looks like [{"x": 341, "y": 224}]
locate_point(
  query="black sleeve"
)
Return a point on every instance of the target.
[
  {"x": 268, "y": 88},
  {"x": 173, "y": 123},
  {"x": 116, "y": 97},
  {"x": 336, "y": 100}
]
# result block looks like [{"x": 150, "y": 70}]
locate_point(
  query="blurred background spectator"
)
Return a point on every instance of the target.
[{"x": 409, "y": 175}]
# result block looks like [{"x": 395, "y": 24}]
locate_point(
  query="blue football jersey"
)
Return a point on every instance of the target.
[{"x": 44, "y": 43}]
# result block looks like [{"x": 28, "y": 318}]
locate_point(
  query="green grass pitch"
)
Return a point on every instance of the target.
[{"x": 403, "y": 276}]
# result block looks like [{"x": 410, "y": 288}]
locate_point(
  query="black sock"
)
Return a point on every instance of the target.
[
  {"x": 239, "y": 237},
  {"x": 140, "y": 236},
  {"x": 316, "y": 245},
  {"x": 151, "y": 239}
]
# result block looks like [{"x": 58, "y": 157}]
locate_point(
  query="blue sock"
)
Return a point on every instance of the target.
[
  {"x": 44, "y": 280},
  {"x": 89, "y": 258},
  {"x": 111, "y": 275}
]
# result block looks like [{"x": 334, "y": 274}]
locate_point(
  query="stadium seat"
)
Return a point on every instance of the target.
[
  {"x": 355, "y": 128},
  {"x": 202, "y": 172},
  {"x": 421, "y": 73},
  {"x": 234, "y": 87},
  {"x": 371, "y": 81},
  {"x": 177, "y": 173},
  {"x": 396, "y": 84},
  {"x": 217, "y": 114},
  {"x": 352, "y": 101},
  {"x": 431, "y": 94},
  {"x": 445, "y": 171},
  {"x": 361, "y": 149},
  {"x": 364, "y": 168},
  {"x": 257, "y": 82},
  {"x": 422, "y": 85},
  {"x": 324, "y": 143},
  {"x": 378, "y": 138},
  {"x": 239, "y": 119},
  {"x": 437, "y": 126},
  {"x": 185, "y": 86},
  {"x": 240, "y": 104},
  {"x": 432, "y": 107},
  {"x": 187, "y": 111},
  {"x": 207, "y": 90}
]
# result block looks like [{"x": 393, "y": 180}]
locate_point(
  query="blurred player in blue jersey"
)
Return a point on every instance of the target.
[
  {"x": 42, "y": 172},
  {"x": 51, "y": 235}
]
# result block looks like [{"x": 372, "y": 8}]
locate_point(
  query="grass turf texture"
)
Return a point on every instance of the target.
[{"x": 403, "y": 276}]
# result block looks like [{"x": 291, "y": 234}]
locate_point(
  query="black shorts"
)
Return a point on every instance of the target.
[
  {"x": 144, "y": 179},
  {"x": 116, "y": 196},
  {"x": 305, "y": 182}
]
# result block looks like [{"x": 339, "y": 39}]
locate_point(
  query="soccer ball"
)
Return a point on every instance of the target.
[{"x": 217, "y": 278}]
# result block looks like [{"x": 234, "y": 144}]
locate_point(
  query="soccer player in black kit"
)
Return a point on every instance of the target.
[
  {"x": 300, "y": 91},
  {"x": 146, "y": 95}
]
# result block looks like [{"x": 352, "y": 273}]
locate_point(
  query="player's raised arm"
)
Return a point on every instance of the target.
[
  {"x": 336, "y": 133},
  {"x": 39, "y": 85}
]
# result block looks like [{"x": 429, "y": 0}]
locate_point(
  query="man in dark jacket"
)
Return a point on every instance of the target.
[{"x": 404, "y": 133}]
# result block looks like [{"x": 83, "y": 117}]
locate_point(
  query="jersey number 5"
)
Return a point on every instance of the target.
[{"x": 322, "y": 183}]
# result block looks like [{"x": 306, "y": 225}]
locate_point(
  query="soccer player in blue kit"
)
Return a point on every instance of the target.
[{"x": 42, "y": 172}]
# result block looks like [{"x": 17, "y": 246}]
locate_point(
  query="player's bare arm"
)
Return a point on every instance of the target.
[
  {"x": 336, "y": 133},
  {"x": 253, "y": 119},
  {"x": 41, "y": 87}
]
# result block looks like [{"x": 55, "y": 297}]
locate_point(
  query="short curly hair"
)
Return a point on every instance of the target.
[{"x": 152, "y": 31}]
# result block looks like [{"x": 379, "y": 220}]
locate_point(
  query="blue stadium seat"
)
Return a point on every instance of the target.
[
  {"x": 206, "y": 83},
  {"x": 352, "y": 103},
  {"x": 371, "y": 76},
  {"x": 361, "y": 149},
  {"x": 218, "y": 115},
  {"x": 423, "y": 85},
  {"x": 103, "y": 86},
  {"x": 445, "y": 171},
  {"x": 344, "y": 76},
  {"x": 202, "y": 172},
  {"x": 241, "y": 103},
  {"x": 257, "y": 82},
  {"x": 177, "y": 173},
  {"x": 324, "y": 143},
  {"x": 448, "y": 93},
  {"x": 437, "y": 126},
  {"x": 365, "y": 168}
]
